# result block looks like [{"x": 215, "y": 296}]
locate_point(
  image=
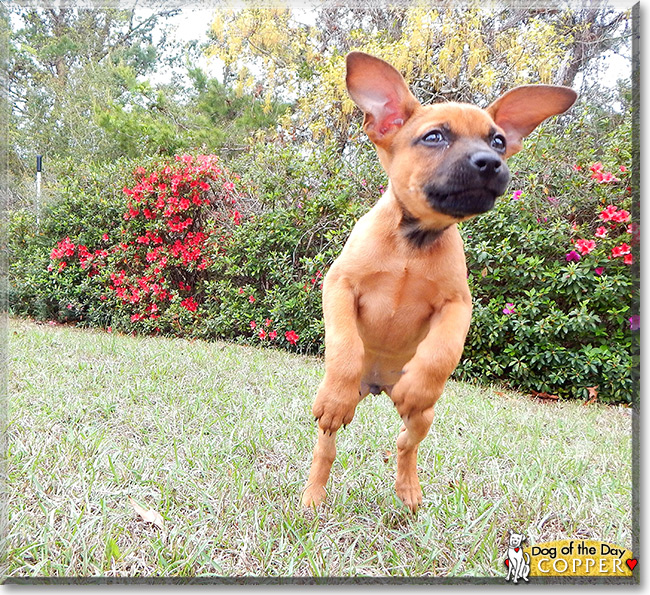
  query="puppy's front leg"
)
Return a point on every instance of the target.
[
  {"x": 420, "y": 386},
  {"x": 338, "y": 394}
]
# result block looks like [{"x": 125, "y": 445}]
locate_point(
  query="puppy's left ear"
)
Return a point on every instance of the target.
[{"x": 519, "y": 111}]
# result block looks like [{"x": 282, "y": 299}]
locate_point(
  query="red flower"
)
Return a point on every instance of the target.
[
  {"x": 262, "y": 334},
  {"x": 253, "y": 324},
  {"x": 251, "y": 299},
  {"x": 273, "y": 335},
  {"x": 601, "y": 232},
  {"x": 292, "y": 337},
  {"x": 628, "y": 259},
  {"x": 189, "y": 304}
]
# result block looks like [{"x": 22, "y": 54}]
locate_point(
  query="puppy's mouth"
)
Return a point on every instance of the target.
[{"x": 462, "y": 203}]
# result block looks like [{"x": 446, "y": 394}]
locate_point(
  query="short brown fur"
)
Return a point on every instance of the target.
[{"x": 396, "y": 303}]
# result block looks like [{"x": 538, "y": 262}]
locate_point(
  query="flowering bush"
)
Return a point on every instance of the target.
[
  {"x": 551, "y": 320},
  {"x": 185, "y": 247}
]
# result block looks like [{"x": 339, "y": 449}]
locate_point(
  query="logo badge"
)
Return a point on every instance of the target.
[{"x": 565, "y": 557}]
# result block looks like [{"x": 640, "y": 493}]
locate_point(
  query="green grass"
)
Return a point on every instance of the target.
[{"x": 218, "y": 439}]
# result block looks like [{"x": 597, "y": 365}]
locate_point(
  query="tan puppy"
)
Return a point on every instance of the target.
[{"x": 396, "y": 302}]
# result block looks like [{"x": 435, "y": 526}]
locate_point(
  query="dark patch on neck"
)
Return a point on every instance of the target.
[{"x": 416, "y": 235}]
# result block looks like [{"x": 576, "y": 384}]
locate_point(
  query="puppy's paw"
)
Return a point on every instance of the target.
[
  {"x": 334, "y": 408},
  {"x": 410, "y": 493},
  {"x": 313, "y": 496}
]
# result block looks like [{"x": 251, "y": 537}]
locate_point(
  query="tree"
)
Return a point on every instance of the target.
[
  {"x": 450, "y": 52},
  {"x": 164, "y": 119},
  {"x": 62, "y": 63}
]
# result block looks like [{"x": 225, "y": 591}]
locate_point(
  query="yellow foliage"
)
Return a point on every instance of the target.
[{"x": 471, "y": 48}]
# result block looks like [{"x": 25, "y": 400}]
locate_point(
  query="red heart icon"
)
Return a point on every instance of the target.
[
  {"x": 631, "y": 563},
  {"x": 516, "y": 549},
  {"x": 508, "y": 562}
]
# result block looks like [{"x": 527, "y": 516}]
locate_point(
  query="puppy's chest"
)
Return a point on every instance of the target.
[{"x": 396, "y": 303}]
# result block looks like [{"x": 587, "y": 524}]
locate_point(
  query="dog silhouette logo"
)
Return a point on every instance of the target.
[{"x": 517, "y": 561}]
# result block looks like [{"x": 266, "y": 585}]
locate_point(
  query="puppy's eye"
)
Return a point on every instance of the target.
[
  {"x": 498, "y": 142},
  {"x": 434, "y": 137}
]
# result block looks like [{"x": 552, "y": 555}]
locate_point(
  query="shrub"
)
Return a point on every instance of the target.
[
  {"x": 190, "y": 249},
  {"x": 550, "y": 271},
  {"x": 86, "y": 201}
]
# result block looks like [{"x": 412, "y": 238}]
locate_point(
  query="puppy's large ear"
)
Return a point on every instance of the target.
[
  {"x": 381, "y": 93},
  {"x": 519, "y": 111}
]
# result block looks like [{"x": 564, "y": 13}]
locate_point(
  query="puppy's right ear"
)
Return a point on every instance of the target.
[{"x": 382, "y": 94}]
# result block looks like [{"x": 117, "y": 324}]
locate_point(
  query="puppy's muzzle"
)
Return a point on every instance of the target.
[{"x": 473, "y": 186}]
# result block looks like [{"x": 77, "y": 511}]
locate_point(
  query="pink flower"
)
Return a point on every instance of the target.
[
  {"x": 253, "y": 324},
  {"x": 628, "y": 259},
  {"x": 262, "y": 334},
  {"x": 635, "y": 322},
  {"x": 251, "y": 299},
  {"x": 585, "y": 246},
  {"x": 621, "y": 250},
  {"x": 516, "y": 195},
  {"x": 573, "y": 255},
  {"x": 605, "y": 178},
  {"x": 621, "y": 216},
  {"x": 273, "y": 335},
  {"x": 599, "y": 271},
  {"x": 509, "y": 309},
  {"x": 576, "y": 168},
  {"x": 608, "y": 213},
  {"x": 601, "y": 232}
]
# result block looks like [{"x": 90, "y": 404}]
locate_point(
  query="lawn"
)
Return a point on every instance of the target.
[{"x": 217, "y": 438}]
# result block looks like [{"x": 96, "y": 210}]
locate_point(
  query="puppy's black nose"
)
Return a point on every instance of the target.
[{"x": 487, "y": 164}]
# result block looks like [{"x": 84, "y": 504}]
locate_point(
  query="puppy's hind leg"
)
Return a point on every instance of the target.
[
  {"x": 332, "y": 408},
  {"x": 324, "y": 455},
  {"x": 415, "y": 428}
]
